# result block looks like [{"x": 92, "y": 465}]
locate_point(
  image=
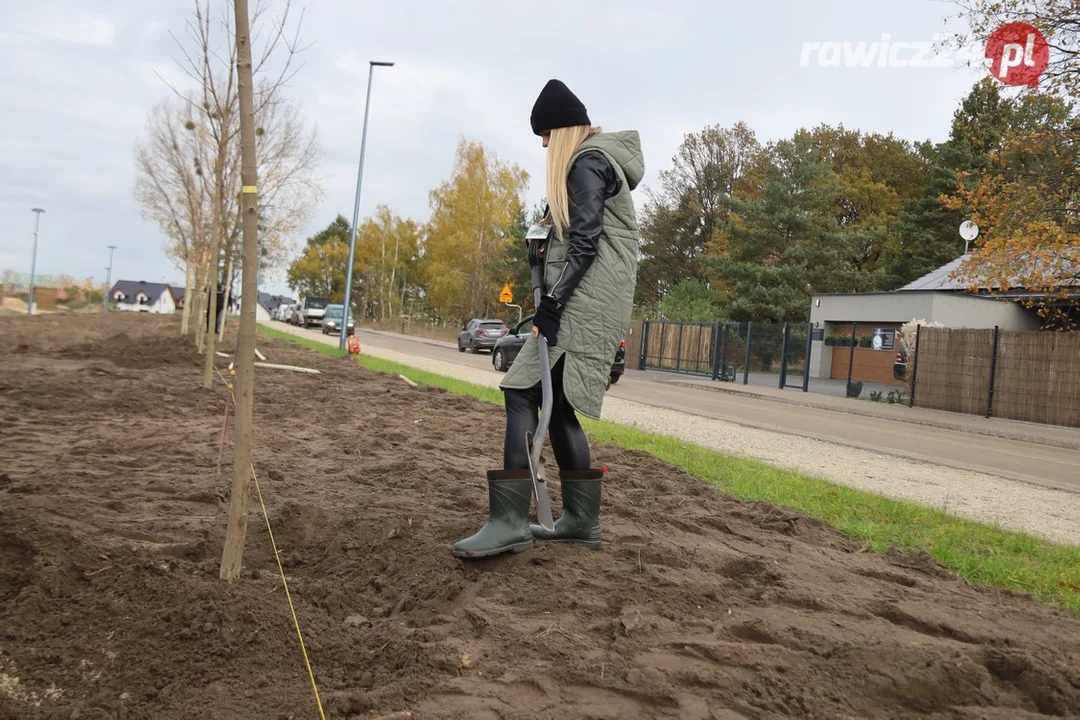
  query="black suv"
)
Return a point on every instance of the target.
[{"x": 507, "y": 348}]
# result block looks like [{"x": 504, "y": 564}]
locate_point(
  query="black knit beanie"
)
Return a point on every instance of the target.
[{"x": 557, "y": 107}]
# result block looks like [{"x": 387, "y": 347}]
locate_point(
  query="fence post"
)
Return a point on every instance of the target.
[
  {"x": 727, "y": 350},
  {"x": 663, "y": 335},
  {"x": 642, "y": 360},
  {"x": 746, "y": 363},
  {"x": 915, "y": 366},
  {"x": 678, "y": 348},
  {"x": 783, "y": 355},
  {"x": 993, "y": 372},
  {"x": 716, "y": 352},
  {"x": 851, "y": 360},
  {"x": 809, "y": 350}
]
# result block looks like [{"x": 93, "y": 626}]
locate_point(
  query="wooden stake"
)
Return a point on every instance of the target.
[
  {"x": 235, "y": 532},
  {"x": 295, "y": 368}
]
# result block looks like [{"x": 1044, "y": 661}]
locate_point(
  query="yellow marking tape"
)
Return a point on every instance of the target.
[
  {"x": 248, "y": 189},
  {"x": 281, "y": 569}
]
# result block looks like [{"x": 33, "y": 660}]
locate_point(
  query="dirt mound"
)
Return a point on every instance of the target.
[{"x": 112, "y": 517}]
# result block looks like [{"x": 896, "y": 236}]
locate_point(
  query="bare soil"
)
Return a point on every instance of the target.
[{"x": 112, "y": 517}]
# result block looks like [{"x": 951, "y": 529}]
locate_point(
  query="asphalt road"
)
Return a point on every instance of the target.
[{"x": 1044, "y": 465}]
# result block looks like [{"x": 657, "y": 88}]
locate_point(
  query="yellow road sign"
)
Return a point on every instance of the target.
[{"x": 506, "y": 296}]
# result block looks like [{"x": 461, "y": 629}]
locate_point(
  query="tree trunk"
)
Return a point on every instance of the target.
[
  {"x": 392, "y": 289},
  {"x": 228, "y": 288},
  {"x": 199, "y": 308},
  {"x": 218, "y": 229},
  {"x": 382, "y": 276},
  {"x": 185, "y": 319},
  {"x": 232, "y": 555}
]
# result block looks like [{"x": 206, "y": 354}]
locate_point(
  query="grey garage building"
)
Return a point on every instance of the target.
[{"x": 878, "y": 316}]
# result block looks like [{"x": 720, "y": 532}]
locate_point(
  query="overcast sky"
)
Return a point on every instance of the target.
[{"x": 77, "y": 79}]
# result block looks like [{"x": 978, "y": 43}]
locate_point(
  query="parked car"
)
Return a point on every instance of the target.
[
  {"x": 480, "y": 334},
  {"x": 331, "y": 321},
  {"x": 507, "y": 348},
  {"x": 296, "y": 315},
  {"x": 899, "y": 368}
]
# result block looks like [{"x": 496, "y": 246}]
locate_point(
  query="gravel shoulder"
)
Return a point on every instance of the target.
[{"x": 1015, "y": 505}]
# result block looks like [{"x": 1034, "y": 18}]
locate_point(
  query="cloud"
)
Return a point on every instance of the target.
[{"x": 79, "y": 28}]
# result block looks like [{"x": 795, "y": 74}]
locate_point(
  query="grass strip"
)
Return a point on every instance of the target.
[{"x": 979, "y": 553}]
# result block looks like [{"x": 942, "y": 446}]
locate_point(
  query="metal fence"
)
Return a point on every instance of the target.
[
  {"x": 726, "y": 351},
  {"x": 1031, "y": 376}
]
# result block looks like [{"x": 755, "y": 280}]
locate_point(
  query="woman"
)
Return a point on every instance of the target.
[{"x": 590, "y": 269}]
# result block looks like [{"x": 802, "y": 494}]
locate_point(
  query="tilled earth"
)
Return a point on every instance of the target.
[{"x": 113, "y": 483}]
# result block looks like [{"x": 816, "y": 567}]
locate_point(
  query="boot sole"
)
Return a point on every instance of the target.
[
  {"x": 590, "y": 544},
  {"x": 518, "y": 548}
]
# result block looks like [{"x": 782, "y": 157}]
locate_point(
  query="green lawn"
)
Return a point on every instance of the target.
[{"x": 977, "y": 552}]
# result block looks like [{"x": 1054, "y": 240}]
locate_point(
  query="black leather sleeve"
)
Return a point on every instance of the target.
[{"x": 590, "y": 183}]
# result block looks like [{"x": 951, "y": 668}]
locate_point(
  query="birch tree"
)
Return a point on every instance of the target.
[
  {"x": 206, "y": 165},
  {"x": 472, "y": 221}
]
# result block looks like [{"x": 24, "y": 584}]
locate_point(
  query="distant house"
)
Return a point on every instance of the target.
[
  {"x": 142, "y": 296},
  {"x": 177, "y": 296},
  {"x": 268, "y": 305}
]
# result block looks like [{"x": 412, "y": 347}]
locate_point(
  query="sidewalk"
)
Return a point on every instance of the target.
[{"x": 1052, "y": 435}]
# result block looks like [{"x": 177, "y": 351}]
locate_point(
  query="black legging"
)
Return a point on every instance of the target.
[{"x": 523, "y": 415}]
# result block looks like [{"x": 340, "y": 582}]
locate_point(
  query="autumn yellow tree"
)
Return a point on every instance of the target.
[
  {"x": 387, "y": 257},
  {"x": 320, "y": 269},
  {"x": 473, "y": 215},
  {"x": 1027, "y": 205}
]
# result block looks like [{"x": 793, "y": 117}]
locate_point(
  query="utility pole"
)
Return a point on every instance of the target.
[
  {"x": 108, "y": 282},
  {"x": 33, "y": 262},
  {"x": 356, "y": 207}
]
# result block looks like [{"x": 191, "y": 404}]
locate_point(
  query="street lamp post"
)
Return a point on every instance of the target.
[
  {"x": 356, "y": 207},
  {"x": 108, "y": 282},
  {"x": 33, "y": 262}
]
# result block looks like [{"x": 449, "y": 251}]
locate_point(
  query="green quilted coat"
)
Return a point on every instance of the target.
[{"x": 597, "y": 314}]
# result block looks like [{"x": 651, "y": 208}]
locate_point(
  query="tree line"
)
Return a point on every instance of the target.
[
  {"x": 739, "y": 229},
  {"x": 749, "y": 231},
  {"x": 445, "y": 270}
]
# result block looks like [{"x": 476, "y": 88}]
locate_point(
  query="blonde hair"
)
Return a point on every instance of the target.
[{"x": 562, "y": 145}]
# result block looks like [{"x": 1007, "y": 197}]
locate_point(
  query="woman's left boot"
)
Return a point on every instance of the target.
[
  {"x": 507, "y": 528},
  {"x": 579, "y": 523}
]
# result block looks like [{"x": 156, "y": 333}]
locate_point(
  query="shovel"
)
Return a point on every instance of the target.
[{"x": 536, "y": 441}]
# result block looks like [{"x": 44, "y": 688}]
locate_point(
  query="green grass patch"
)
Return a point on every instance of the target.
[{"x": 977, "y": 552}]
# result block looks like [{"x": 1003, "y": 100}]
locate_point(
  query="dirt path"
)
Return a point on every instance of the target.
[
  {"x": 1049, "y": 512},
  {"x": 111, "y": 522}
]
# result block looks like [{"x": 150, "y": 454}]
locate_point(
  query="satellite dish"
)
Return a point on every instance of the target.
[{"x": 969, "y": 230}]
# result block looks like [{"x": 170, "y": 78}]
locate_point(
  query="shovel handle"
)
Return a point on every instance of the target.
[{"x": 545, "y": 375}]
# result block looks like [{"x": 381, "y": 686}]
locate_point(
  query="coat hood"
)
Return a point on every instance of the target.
[{"x": 625, "y": 147}]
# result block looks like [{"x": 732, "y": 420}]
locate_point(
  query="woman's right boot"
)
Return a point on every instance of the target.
[
  {"x": 580, "y": 520},
  {"x": 507, "y": 528}
]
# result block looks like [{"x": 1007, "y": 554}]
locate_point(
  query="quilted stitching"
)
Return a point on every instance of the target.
[{"x": 598, "y": 313}]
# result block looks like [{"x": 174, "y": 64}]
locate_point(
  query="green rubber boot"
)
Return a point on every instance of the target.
[
  {"x": 580, "y": 520},
  {"x": 507, "y": 528}
]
